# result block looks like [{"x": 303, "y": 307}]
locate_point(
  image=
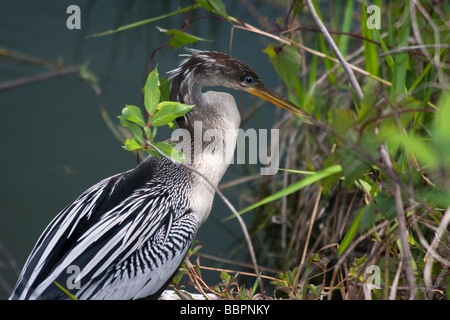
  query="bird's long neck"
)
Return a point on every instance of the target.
[
  {"x": 211, "y": 126},
  {"x": 209, "y": 137}
]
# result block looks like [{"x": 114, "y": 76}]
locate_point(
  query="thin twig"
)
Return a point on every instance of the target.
[
  {"x": 305, "y": 249},
  {"x": 431, "y": 254},
  {"x": 240, "y": 273},
  {"x": 291, "y": 42},
  {"x": 235, "y": 262},
  {"x": 406, "y": 253},
  {"x": 41, "y": 76},
  {"x": 415, "y": 47},
  {"x": 350, "y": 250},
  {"x": 230, "y": 206},
  {"x": 394, "y": 286},
  {"x": 238, "y": 181},
  {"x": 351, "y": 76},
  {"x": 284, "y": 219},
  {"x": 196, "y": 278}
]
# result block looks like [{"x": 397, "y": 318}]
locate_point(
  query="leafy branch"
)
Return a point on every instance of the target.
[{"x": 158, "y": 113}]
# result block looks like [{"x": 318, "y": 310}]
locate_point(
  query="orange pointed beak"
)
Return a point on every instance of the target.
[{"x": 268, "y": 95}]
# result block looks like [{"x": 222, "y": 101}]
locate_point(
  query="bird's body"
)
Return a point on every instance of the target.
[
  {"x": 106, "y": 236},
  {"x": 126, "y": 236}
]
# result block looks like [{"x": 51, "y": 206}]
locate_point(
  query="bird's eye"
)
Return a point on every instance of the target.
[{"x": 249, "y": 80}]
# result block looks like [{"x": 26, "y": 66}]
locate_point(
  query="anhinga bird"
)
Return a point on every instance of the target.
[{"x": 128, "y": 234}]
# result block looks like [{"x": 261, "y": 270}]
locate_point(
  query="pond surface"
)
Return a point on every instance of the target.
[{"x": 55, "y": 143}]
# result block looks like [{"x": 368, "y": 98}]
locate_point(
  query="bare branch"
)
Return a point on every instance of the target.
[
  {"x": 432, "y": 255},
  {"x": 351, "y": 76},
  {"x": 406, "y": 253}
]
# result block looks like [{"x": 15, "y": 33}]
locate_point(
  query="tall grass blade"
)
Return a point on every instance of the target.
[
  {"x": 143, "y": 22},
  {"x": 401, "y": 59},
  {"x": 313, "y": 178},
  {"x": 370, "y": 49}
]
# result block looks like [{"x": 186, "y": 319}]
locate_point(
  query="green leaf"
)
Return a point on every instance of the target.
[
  {"x": 328, "y": 183},
  {"x": 368, "y": 218},
  {"x": 255, "y": 286},
  {"x": 133, "y": 114},
  {"x": 436, "y": 197},
  {"x": 367, "y": 111},
  {"x": 151, "y": 92},
  {"x": 370, "y": 145},
  {"x": 160, "y": 114},
  {"x": 350, "y": 233},
  {"x": 388, "y": 131},
  {"x": 354, "y": 165},
  {"x": 179, "y": 38},
  {"x": 389, "y": 59},
  {"x": 370, "y": 49},
  {"x": 134, "y": 128},
  {"x": 346, "y": 27},
  {"x": 148, "y": 133},
  {"x": 168, "y": 111},
  {"x": 401, "y": 59},
  {"x": 286, "y": 61},
  {"x": 164, "y": 88},
  {"x": 88, "y": 75},
  {"x": 343, "y": 120},
  {"x": 420, "y": 77},
  {"x": 386, "y": 205},
  {"x": 442, "y": 128},
  {"x": 423, "y": 151},
  {"x": 168, "y": 150},
  {"x": 225, "y": 276},
  {"x": 215, "y": 6},
  {"x": 131, "y": 144}
]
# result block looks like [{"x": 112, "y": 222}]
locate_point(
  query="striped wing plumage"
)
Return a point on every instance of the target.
[{"x": 123, "y": 238}]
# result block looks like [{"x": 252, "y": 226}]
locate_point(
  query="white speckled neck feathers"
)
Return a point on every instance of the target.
[{"x": 215, "y": 118}]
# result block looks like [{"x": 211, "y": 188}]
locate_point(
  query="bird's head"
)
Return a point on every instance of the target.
[{"x": 210, "y": 69}]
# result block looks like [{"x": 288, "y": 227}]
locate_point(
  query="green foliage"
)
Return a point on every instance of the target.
[
  {"x": 286, "y": 61},
  {"x": 312, "y": 178},
  {"x": 159, "y": 113},
  {"x": 180, "y": 39},
  {"x": 441, "y": 131},
  {"x": 143, "y": 22},
  {"x": 370, "y": 49},
  {"x": 397, "y": 113},
  {"x": 405, "y": 111}
]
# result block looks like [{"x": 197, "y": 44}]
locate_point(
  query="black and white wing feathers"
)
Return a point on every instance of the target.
[{"x": 123, "y": 238}]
